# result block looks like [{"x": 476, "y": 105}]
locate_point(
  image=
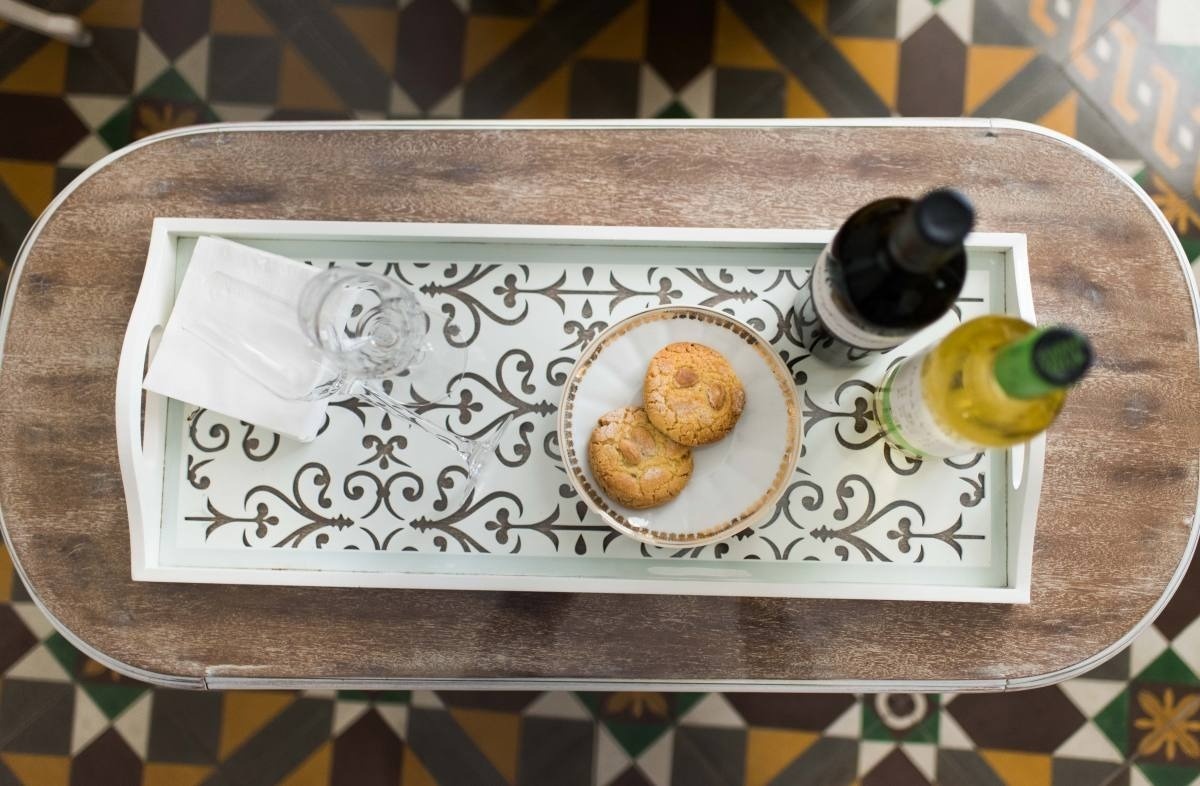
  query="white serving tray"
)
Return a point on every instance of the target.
[{"x": 215, "y": 500}]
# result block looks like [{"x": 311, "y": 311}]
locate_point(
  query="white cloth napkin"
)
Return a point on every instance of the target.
[{"x": 187, "y": 368}]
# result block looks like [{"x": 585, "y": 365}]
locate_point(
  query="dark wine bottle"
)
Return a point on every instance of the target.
[{"x": 894, "y": 267}]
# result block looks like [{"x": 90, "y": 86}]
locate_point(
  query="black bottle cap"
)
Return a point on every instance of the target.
[
  {"x": 1062, "y": 356},
  {"x": 944, "y": 217}
]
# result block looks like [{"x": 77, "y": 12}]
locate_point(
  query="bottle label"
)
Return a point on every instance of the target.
[
  {"x": 906, "y": 419},
  {"x": 835, "y": 318}
]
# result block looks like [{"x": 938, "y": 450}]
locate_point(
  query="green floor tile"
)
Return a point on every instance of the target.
[
  {"x": 1168, "y": 667},
  {"x": 685, "y": 701},
  {"x": 113, "y": 699},
  {"x": 117, "y": 131},
  {"x": 1169, "y": 774},
  {"x": 675, "y": 110},
  {"x": 63, "y": 651},
  {"x": 1113, "y": 720},
  {"x": 873, "y": 727},
  {"x": 635, "y": 737},
  {"x": 171, "y": 86}
]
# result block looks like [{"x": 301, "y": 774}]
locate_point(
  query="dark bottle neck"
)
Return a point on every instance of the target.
[
  {"x": 912, "y": 252},
  {"x": 930, "y": 232}
]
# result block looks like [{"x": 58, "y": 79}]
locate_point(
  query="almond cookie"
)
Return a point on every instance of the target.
[
  {"x": 692, "y": 393},
  {"x": 635, "y": 463}
]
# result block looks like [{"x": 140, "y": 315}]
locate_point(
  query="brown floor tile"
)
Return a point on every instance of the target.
[
  {"x": 1037, "y": 720},
  {"x": 896, "y": 769},
  {"x": 1184, "y": 606},
  {"x": 429, "y": 50},
  {"x": 679, "y": 39},
  {"x": 107, "y": 66},
  {"x": 175, "y": 26},
  {"x": 811, "y": 712},
  {"x": 109, "y": 761},
  {"x": 366, "y": 754},
  {"x": 15, "y": 638},
  {"x": 518, "y": 8},
  {"x": 932, "y": 72},
  {"x": 604, "y": 88},
  {"x": 46, "y": 131},
  {"x": 503, "y": 701},
  {"x": 631, "y": 777}
]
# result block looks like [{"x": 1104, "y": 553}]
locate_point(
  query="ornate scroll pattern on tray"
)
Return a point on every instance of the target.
[{"x": 368, "y": 484}]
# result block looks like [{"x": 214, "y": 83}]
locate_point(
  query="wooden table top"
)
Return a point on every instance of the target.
[{"x": 1122, "y": 472}]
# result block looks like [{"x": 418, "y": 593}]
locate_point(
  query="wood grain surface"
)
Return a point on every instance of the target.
[{"x": 1121, "y": 478}]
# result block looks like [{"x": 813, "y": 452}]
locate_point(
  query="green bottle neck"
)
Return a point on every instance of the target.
[{"x": 1042, "y": 362}]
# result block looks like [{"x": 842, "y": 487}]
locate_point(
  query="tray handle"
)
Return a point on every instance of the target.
[{"x": 141, "y": 414}]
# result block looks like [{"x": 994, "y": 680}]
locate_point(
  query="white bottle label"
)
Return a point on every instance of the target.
[
  {"x": 835, "y": 319},
  {"x": 907, "y": 420}
]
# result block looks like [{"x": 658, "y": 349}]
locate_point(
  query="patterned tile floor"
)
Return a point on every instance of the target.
[{"x": 1121, "y": 75}]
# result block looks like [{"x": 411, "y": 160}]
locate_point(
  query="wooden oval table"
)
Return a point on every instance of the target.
[{"x": 1117, "y": 522}]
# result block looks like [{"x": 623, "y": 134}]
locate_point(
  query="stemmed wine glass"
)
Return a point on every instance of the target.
[{"x": 350, "y": 330}]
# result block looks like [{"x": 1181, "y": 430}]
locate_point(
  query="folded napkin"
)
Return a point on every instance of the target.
[{"x": 223, "y": 286}]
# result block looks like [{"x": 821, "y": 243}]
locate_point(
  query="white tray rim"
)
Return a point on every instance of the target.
[{"x": 143, "y": 461}]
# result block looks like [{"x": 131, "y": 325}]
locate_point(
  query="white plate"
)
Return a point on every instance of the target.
[{"x": 736, "y": 481}]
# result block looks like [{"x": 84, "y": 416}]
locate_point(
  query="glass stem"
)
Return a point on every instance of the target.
[{"x": 368, "y": 391}]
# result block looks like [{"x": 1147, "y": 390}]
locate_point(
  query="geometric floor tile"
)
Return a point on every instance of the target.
[
  {"x": 812, "y": 712},
  {"x": 556, "y": 750},
  {"x": 705, "y": 756},
  {"x": 1091, "y": 696},
  {"x": 656, "y": 761},
  {"x": 32, "y": 768},
  {"x": 770, "y": 751},
  {"x": 107, "y": 760},
  {"x": 895, "y": 769},
  {"x": 38, "y": 664},
  {"x": 1091, "y": 744},
  {"x": 1031, "y": 769},
  {"x": 1145, "y": 649},
  {"x": 611, "y": 760},
  {"x": 901, "y": 716},
  {"x": 185, "y": 727},
  {"x": 557, "y": 704},
  {"x": 160, "y": 64},
  {"x": 346, "y": 712},
  {"x": 133, "y": 724},
  {"x": 89, "y": 722},
  {"x": 368, "y": 749},
  {"x": 35, "y": 717},
  {"x": 1037, "y": 720}
]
